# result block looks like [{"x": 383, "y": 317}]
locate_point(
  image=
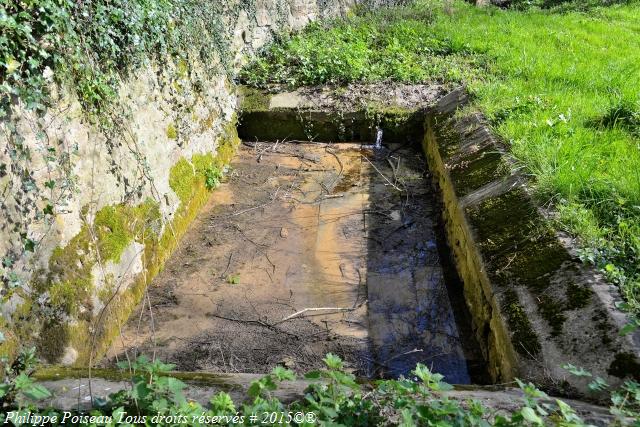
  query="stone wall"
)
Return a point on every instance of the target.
[{"x": 87, "y": 217}]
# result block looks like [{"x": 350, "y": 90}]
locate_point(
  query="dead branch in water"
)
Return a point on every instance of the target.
[
  {"x": 312, "y": 309},
  {"x": 383, "y": 175}
]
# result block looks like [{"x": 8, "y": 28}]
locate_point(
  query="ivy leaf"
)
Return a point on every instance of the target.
[
  {"x": 36, "y": 392},
  {"x": 48, "y": 210},
  {"x": 12, "y": 65},
  {"x": 50, "y": 184},
  {"x": 29, "y": 245}
]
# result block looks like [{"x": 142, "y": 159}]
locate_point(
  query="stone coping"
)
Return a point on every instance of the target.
[{"x": 534, "y": 304}]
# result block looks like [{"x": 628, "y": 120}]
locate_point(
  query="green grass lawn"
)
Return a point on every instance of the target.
[{"x": 562, "y": 88}]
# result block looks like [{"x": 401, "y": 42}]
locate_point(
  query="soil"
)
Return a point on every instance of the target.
[{"x": 308, "y": 249}]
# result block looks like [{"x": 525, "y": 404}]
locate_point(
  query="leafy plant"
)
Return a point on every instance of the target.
[
  {"x": 152, "y": 390},
  {"x": 213, "y": 176},
  {"x": 17, "y": 386},
  {"x": 334, "y": 397}
]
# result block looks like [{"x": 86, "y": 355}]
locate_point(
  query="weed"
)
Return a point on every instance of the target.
[
  {"x": 334, "y": 397},
  {"x": 212, "y": 177}
]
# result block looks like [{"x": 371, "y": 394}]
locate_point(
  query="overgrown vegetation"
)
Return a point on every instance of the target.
[
  {"x": 560, "y": 86},
  {"x": 89, "y": 46},
  {"x": 334, "y": 397}
]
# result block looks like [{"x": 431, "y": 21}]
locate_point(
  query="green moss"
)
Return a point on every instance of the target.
[
  {"x": 514, "y": 238},
  {"x": 478, "y": 169},
  {"x": 181, "y": 180},
  {"x": 52, "y": 340},
  {"x": 578, "y": 296},
  {"x": 522, "y": 250},
  {"x": 552, "y": 311},
  {"x": 9, "y": 347},
  {"x": 113, "y": 231},
  {"x": 253, "y": 99},
  {"x": 182, "y": 68},
  {"x": 68, "y": 295},
  {"x": 523, "y": 337},
  {"x": 625, "y": 365},
  {"x": 172, "y": 132}
]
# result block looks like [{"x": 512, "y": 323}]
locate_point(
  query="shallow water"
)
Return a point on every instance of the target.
[{"x": 309, "y": 249}]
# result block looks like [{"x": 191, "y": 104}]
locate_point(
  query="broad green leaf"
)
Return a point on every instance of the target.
[
  {"x": 36, "y": 392},
  {"x": 12, "y": 65},
  {"x": 332, "y": 361},
  {"x": 313, "y": 375},
  {"x": 530, "y": 415}
]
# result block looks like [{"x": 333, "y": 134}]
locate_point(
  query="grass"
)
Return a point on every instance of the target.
[{"x": 561, "y": 87}]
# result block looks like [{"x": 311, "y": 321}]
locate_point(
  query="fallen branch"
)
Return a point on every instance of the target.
[
  {"x": 415, "y": 350},
  {"x": 333, "y": 153},
  {"x": 312, "y": 309},
  {"x": 382, "y": 175}
]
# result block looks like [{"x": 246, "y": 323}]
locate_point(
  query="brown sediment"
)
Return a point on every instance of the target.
[
  {"x": 274, "y": 229},
  {"x": 313, "y": 227}
]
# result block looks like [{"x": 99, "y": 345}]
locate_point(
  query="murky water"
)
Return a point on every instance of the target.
[{"x": 309, "y": 249}]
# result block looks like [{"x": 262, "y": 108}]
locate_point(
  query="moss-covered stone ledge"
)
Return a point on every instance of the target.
[
  {"x": 534, "y": 305},
  {"x": 332, "y": 114}
]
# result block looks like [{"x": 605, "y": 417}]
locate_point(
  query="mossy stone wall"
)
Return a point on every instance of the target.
[
  {"x": 92, "y": 207},
  {"x": 535, "y": 306}
]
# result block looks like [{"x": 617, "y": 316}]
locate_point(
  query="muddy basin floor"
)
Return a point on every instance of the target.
[{"x": 308, "y": 249}]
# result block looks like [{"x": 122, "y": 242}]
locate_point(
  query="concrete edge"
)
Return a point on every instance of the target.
[{"x": 504, "y": 300}]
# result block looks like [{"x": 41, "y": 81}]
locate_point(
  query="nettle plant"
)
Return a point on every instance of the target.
[{"x": 333, "y": 398}]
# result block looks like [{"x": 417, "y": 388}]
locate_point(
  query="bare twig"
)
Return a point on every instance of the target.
[
  {"x": 312, "y": 309},
  {"x": 382, "y": 175}
]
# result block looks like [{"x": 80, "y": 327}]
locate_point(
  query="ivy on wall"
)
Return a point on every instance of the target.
[
  {"x": 89, "y": 48},
  {"x": 90, "y": 45}
]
